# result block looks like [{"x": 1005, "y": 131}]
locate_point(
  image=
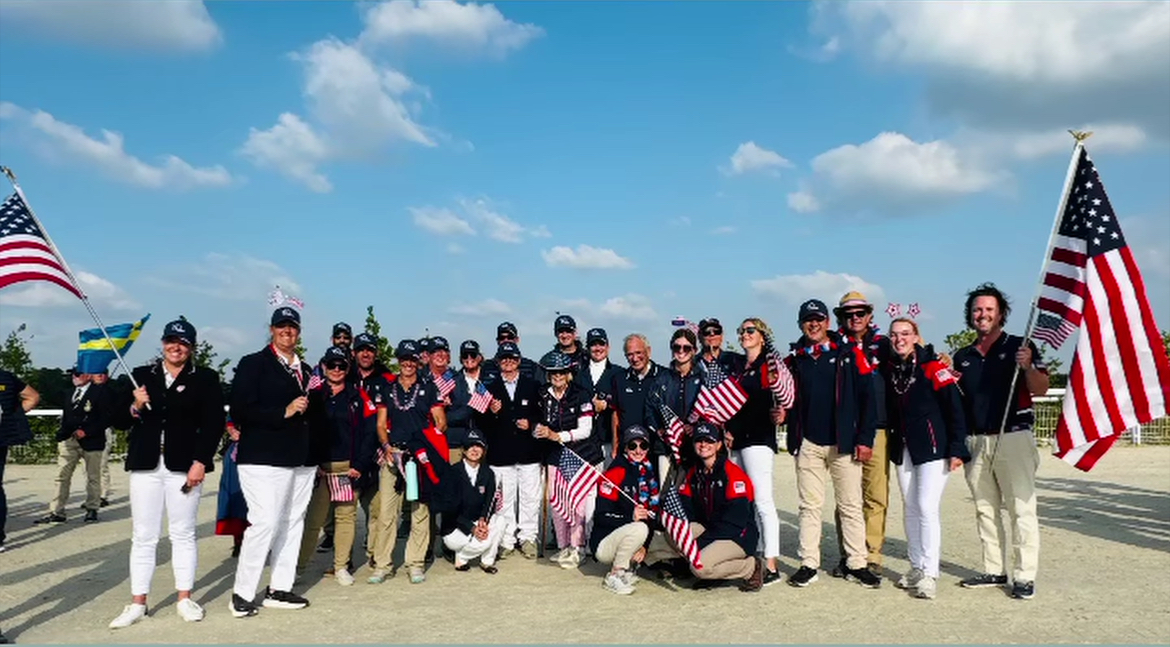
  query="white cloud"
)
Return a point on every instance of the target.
[
  {"x": 797, "y": 288},
  {"x": 470, "y": 27},
  {"x": 750, "y": 157},
  {"x": 496, "y": 225},
  {"x": 101, "y": 292},
  {"x": 357, "y": 107},
  {"x": 540, "y": 231},
  {"x": 585, "y": 257},
  {"x": 1022, "y": 64},
  {"x": 455, "y": 248},
  {"x": 890, "y": 174},
  {"x": 724, "y": 230},
  {"x": 631, "y": 307},
  {"x": 66, "y": 143},
  {"x": 485, "y": 308},
  {"x": 442, "y": 222},
  {"x": 182, "y": 25},
  {"x": 231, "y": 277}
]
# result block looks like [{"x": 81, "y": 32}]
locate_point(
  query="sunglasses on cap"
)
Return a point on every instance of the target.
[
  {"x": 747, "y": 330},
  {"x": 336, "y": 366},
  {"x": 682, "y": 348},
  {"x": 634, "y": 445}
]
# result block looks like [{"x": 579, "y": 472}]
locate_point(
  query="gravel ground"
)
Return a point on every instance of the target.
[{"x": 1105, "y": 553}]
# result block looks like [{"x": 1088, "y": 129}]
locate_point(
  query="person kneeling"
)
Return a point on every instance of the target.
[
  {"x": 627, "y": 497},
  {"x": 471, "y": 524}
]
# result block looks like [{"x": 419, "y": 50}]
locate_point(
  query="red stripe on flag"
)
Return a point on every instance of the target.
[
  {"x": 1150, "y": 327},
  {"x": 1059, "y": 309},
  {"x": 1068, "y": 256},
  {"x": 1131, "y": 369},
  {"x": 1065, "y": 283},
  {"x": 1104, "y": 379},
  {"x": 20, "y": 277},
  {"x": 1096, "y": 451}
]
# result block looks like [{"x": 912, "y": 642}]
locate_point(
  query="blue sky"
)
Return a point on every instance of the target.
[{"x": 458, "y": 165}]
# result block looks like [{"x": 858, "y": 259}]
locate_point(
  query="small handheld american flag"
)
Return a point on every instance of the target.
[
  {"x": 574, "y": 481},
  {"x": 674, "y": 431},
  {"x": 481, "y": 399},
  {"x": 678, "y": 527},
  {"x": 445, "y": 383},
  {"x": 720, "y": 396},
  {"x": 315, "y": 380},
  {"x": 340, "y": 488}
]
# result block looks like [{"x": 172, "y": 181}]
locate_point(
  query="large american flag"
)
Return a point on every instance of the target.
[
  {"x": 1120, "y": 376},
  {"x": 25, "y": 253},
  {"x": 481, "y": 399},
  {"x": 574, "y": 481},
  {"x": 678, "y": 526},
  {"x": 720, "y": 396}
]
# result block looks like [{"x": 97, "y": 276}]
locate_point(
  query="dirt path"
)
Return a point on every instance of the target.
[{"x": 1105, "y": 555}]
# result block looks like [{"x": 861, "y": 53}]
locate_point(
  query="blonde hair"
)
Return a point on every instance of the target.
[
  {"x": 762, "y": 326},
  {"x": 913, "y": 325}
]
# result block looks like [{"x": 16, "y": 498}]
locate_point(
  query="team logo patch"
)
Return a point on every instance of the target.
[
  {"x": 524, "y": 403},
  {"x": 88, "y": 406},
  {"x": 606, "y": 488},
  {"x": 739, "y": 487},
  {"x": 588, "y": 406},
  {"x": 481, "y": 489},
  {"x": 180, "y": 388}
]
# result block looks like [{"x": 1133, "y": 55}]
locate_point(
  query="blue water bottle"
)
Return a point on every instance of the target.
[{"x": 411, "y": 477}]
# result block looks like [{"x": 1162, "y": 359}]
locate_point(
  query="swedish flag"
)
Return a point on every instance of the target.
[{"x": 94, "y": 353}]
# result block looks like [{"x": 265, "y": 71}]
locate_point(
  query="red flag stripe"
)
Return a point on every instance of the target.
[
  {"x": 7, "y": 279},
  {"x": 1104, "y": 390},
  {"x": 1069, "y": 256},
  {"x": 1150, "y": 327},
  {"x": 1065, "y": 283},
  {"x": 1137, "y": 406},
  {"x": 1059, "y": 309}
]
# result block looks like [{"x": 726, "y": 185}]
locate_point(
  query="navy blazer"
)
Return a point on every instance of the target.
[
  {"x": 90, "y": 414},
  {"x": 187, "y": 419}
]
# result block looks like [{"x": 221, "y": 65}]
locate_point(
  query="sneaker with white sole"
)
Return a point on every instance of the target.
[
  {"x": 528, "y": 549},
  {"x": 343, "y": 577},
  {"x": 559, "y": 556},
  {"x": 910, "y": 579},
  {"x": 130, "y": 614},
  {"x": 417, "y": 576},
  {"x": 616, "y": 583},
  {"x": 283, "y": 600},
  {"x": 378, "y": 576},
  {"x": 242, "y": 608},
  {"x": 629, "y": 576},
  {"x": 189, "y": 610},
  {"x": 926, "y": 588},
  {"x": 572, "y": 559}
]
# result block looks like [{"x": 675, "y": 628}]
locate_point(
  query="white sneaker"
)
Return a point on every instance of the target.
[
  {"x": 189, "y": 610},
  {"x": 615, "y": 583},
  {"x": 131, "y": 614},
  {"x": 560, "y": 556},
  {"x": 629, "y": 577},
  {"x": 572, "y": 558},
  {"x": 911, "y": 579},
  {"x": 926, "y": 588},
  {"x": 343, "y": 577}
]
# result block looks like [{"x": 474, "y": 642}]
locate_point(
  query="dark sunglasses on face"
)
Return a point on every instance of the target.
[
  {"x": 855, "y": 314},
  {"x": 637, "y": 444},
  {"x": 503, "y": 338},
  {"x": 336, "y": 366},
  {"x": 682, "y": 348},
  {"x": 748, "y": 330},
  {"x": 712, "y": 332}
]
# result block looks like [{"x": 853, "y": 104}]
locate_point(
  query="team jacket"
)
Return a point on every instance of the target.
[
  {"x": 14, "y": 426},
  {"x": 630, "y": 397},
  {"x": 509, "y": 444},
  {"x": 344, "y": 427},
  {"x": 90, "y": 414},
  {"x": 572, "y": 414},
  {"x": 460, "y": 416},
  {"x": 490, "y": 371},
  {"x": 876, "y": 347},
  {"x": 752, "y": 426},
  {"x": 579, "y": 357},
  {"x": 677, "y": 393},
  {"x": 855, "y": 409},
  {"x": 927, "y": 419},
  {"x": 723, "y": 501},
  {"x": 186, "y": 420},
  {"x": 462, "y": 502},
  {"x": 614, "y": 510},
  {"x": 603, "y": 389},
  {"x": 261, "y": 390}
]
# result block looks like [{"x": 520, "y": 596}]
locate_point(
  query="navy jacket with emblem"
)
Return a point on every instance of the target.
[
  {"x": 344, "y": 427},
  {"x": 877, "y": 352},
  {"x": 603, "y": 390},
  {"x": 261, "y": 390},
  {"x": 928, "y": 418},
  {"x": 614, "y": 510},
  {"x": 511, "y": 445},
  {"x": 90, "y": 414},
  {"x": 723, "y": 501},
  {"x": 565, "y": 415},
  {"x": 630, "y": 402},
  {"x": 854, "y": 410},
  {"x": 187, "y": 420},
  {"x": 460, "y": 416},
  {"x": 752, "y": 425},
  {"x": 677, "y": 393},
  {"x": 461, "y": 502}
]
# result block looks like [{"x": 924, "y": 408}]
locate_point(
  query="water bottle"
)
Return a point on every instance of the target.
[{"x": 411, "y": 477}]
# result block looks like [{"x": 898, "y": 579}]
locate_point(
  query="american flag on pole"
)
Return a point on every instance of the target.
[
  {"x": 1120, "y": 376},
  {"x": 674, "y": 431},
  {"x": 445, "y": 383},
  {"x": 678, "y": 526},
  {"x": 720, "y": 397},
  {"x": 481, "y": 399},
  {"x": 574, "y": 481},
  {"x": 25, "y": 252}
]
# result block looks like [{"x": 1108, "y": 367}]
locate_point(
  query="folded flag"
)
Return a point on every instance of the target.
[{"x": 94, "y": 353}]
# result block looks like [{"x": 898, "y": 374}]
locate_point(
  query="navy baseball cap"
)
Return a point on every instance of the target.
[
  {"x": 342, "y": 328},
  {"x": 635, "y": 432},
  {"x": 407, "y": 349},
  {"x": 707, "y": 431},
  {"x": 474, "y": 437},
  {"x": 469, "y": 348},
  {"x": 286, "y": 315},
  {"x": 711, "y": 322},
  {"x": 181, "y": 330},
  {"x": 507, "y": 328},
  {"x": 554, "y": 361},
  {"x": 365, "y": 340},
  {"x": 564, "y": 323},
  {"x": 439, "y": 343},
  {"x": 813, "y": 309},
  {"x": 508, "y": 349},
  {"x": 424, "y": 345},
  {"x": 335, "y": 354},
  {"x": 596, "y": 336}
]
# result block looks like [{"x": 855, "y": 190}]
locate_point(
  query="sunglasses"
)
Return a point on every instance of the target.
[
  {"x": 682, "y": 348},
  {"x": 855, "y": 314},
  {"x": 712, "y": 332},
  {"x": 747, "y": 330},
  {"x": 637, "y": 444},
  {"x": 502, "y": 338},
  {"x": 336, "y": 366}
]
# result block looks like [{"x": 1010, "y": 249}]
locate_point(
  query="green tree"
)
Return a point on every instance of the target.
[
  {"x": 1166, "y": 340},
  {"x": 385, "y": 351},
  {"x": 957, "y": 340},
  {"x": 14, "y": 355}
]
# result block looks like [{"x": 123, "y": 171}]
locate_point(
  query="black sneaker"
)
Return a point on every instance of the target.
[
  {"x": 90, "y": 516},
  {"x": 326, "y": 544},
  {"x": 283, "y": 600},
  {"x": 104, "y": 503},
  {"x": 52, "y": 517},
  {"x": 840, "y": 570},
  {"x": 864, "y": 577},
  {"x": 803, "y": 577},
  {"x": 242, "y": 608},
  {"x": 771, "y": 577},
  {"x": 1023, "y": 590},
  {"x": 983, "y": 581},
  {"x": 235, "y": 551}
]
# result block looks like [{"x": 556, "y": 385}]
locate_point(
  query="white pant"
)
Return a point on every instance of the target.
[
  {"x": 922, "y": 490},
  {"x": 467, "y": 547},
  {"x": 277, "y": 500},
  {"x": 521, "y": 490},
  {"x": 106, "y": 464},
  {"x": 758, "y": 462},
  {"x": 150, "y": 493}
]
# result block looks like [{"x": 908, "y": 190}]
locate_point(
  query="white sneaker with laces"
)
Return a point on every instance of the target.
[
  {"x": 615, "y": 583},
  {"x": 629, "y": 577},
  {"x": 131, "y": 614},
  {"x": 911, "y": 579},
  {"x": 926, "y": 588},
  {"x": 343, "y": 577},
  {"x": 189, "y": 610},
  {"x": 572, "y": 558}
]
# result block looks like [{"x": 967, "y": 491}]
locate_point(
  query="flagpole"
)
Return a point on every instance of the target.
[
  {"x": 69, "y": 272},
  {"x": 1080, "y": 137}
]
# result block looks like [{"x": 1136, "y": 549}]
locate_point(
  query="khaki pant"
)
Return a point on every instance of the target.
[
  {"x": 875, "y": 498},
  {"x": 619, "y": 546},
  {"x": 1010, "y": 485},
  {"x": 813, "y": 463},
  {"x": 389, "y": 509},
  {"x": 69, "y": 453},
  {"x": 722, "y": 559},
  {"x": 371, "y": 504},
  {"x": 321, "y": 506}
]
